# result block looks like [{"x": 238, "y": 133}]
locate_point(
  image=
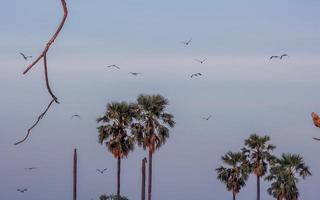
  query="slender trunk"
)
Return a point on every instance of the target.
[
  {"x": 118, "y": 178},
  {"x": 150, "y": 176},
  {"x": 143, "y": 182},
  {"x": 258, "y": 187},
  {"x": 233, "y": 196},
  {"x": 75, "y": 174}
]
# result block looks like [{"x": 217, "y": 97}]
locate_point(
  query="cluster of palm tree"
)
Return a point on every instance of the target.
[
  {"x": 257, "y": 158},
  {"x": 143, "y": 122}
]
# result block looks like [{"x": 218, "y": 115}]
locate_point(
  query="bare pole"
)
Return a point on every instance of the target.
[
  {"x": 143, "y": 182},
  {"x": 75, "y": 174}
]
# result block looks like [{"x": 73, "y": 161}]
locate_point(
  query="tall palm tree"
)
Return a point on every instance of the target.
[
  {"x": 115, "y": 132},
  {"x": 285, "y": 174},
  {"x": 236, "y": 173},
  {"x": 152, "y": 127},
  {"x": 260, "y": 155}
]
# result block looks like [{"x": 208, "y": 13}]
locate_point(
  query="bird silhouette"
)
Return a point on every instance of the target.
[
  {"x": 102, "y": 171},
  {"x": 283, "y": 55},
  {"x": 24, "y": 56},
  {"x": 76, "y": 115},
  {"x": 186, "y": 42},
  {"x": 272, "y": 57},
  {"x": 22, "y": 190},
  {"x": 207, "y": 118},
  {"x": 135, "y": 73},
  {"x": 30, "y": 168},
  {"x": 115, "y": 66},
  {"x": 196, "y": 74},
  {"x": 201, "y": 61}
]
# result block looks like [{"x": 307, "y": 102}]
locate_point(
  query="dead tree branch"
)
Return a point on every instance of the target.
[
  {"x": 35, "y": 124},
  {"x": 43, "y": 56},
  {"x": 46, "y": 49}
]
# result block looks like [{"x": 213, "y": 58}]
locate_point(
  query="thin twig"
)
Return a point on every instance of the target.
[
  {"x": 35, "y": 124},
  {"x": 46, "y": 49}
]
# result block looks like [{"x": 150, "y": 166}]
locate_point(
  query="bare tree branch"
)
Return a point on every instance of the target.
[
  {"x": 35, "y": 124},
  {"x": 45, "y": 66},
  {"x": 46, "y": 49}
]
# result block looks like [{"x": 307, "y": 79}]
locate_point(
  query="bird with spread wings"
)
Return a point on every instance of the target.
[
  {"x": 22, "y": 190},
  {"x": 186, "y": 42},
  {"x": 114, "y": 66},
  {"x": 196, "y": 74},
  {"x": 201, "y": 61},
  {"x": 102, "y": 171},
  {"x": 25, "y": 56}
]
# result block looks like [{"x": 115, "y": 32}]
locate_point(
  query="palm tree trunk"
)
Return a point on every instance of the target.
[
  {"x": 75, "y": 174},
  {"x": 118, "y": 177},
  {"x": 258, "y": 187},
  {"x": 150, "y": 176},
  {"x": 143, "y": 182}
]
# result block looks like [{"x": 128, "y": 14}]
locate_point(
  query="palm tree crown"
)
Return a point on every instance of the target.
[
  {"x": 285, "y": 174},
  {"x": 151, "y": 130},
  {"x": 260, "y": 153},
  {"x": 115, "y": 128},
  {"x": 236, "y": 173}
]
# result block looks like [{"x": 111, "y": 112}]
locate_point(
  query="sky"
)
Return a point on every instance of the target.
[{"x": 241, "y": 88}]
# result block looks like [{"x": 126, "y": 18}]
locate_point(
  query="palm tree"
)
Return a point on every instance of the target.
[
  {"x": 259, "y": 153},
  {"x": 152, "y": 127},
  {"x": 237, "y": 172},
  {"x": 285, "y": 174},
  {"x": 114, "y": 131}
]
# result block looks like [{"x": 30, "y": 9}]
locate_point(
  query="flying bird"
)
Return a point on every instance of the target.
[
  {"x": 201, "y": 61},
  {"x": 22, "y": 190},
  {"x": 186, "y": 42},
  {"x": 207, "y": 118},
  {"x": 135, "y": 73},
  {"x": 24, "y": 56},
  {"x": 272, "y": 57},
  {"x": 30, "y": 168},
  {"x": 102, "y": 171},
  {"x": 76, "y": 115},
  {"x": 196, "y": 74},
  {"x": 283, "y": 55},
  {"x": 115, "y": 66}
]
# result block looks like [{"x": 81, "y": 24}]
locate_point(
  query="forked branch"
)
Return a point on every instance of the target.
[{"x": 46, "y": 49}]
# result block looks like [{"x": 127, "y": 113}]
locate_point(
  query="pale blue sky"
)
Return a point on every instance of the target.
[{"x": 240, "y": 87}]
